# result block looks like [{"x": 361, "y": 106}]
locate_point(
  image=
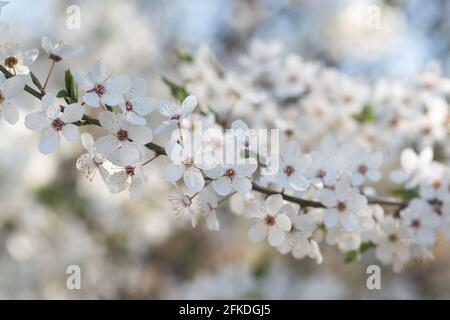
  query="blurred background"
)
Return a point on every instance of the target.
[{"x": 52, "y": 217}]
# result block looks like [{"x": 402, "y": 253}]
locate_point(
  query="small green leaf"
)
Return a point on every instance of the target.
[
  {"x": 184, "y": 55},
  {"x": 352, "y": 255},
  {"x": 71, "y": 86},
  {"x": 366, "y": 115},
  {"x": 406, "y": 194},
  {"x": 179, "y": 92},
  {"x": 62, "y": 94},
  {"x": 36, "y": 81}
]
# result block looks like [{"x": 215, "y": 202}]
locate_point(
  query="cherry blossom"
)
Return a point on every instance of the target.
[
  {"x": 52, "y": 122},
  {"x": 271, "y": 222},
  {"x": 58, "y": 50},
  {"x": 122, "y": 137},
  {"x": 16, "y": 59},
  {"x": 101, "y": 88},
  {"x": 9, "y": 89}
]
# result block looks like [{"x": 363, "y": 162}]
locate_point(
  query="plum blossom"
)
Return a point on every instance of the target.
[
  {"x": 9, "y": 89},
  {"x": 176, "y": 112},
  {"x": 365, "y": 166},
  {"x": 187, "y": 162},
  {"x": 419, "y": 222},
  {"x": 182, "y": 204},
  {"x": 228, "y": 178},
  {"x": 122, "y": 137},
  {"x": 90, "y": 162},
  {"x": 58, "y": 50},
  {"x": 16, "y": 59},
  {"x": 136, "y": 105},
  {"x": 130, "y": 177},
  {"x": 292, "y": 168},
  {"x": 53, "y": 121},
  {"x": 392, "y": 244},
  {"x": 270, "y": 222},
  {"x": 209, "y": 204},
  {"x": 344, "y": 204},
  {"x": 101, "y": 88}
]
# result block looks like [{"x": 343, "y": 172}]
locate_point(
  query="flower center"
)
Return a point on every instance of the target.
[
  {"x": 99, "y": 89},
  {"x": 393, "y": 238},
  {"x": 437, "y": 184},
  {"x": 321, "y": 174},
  {"x": 230, "y": 173},
  {"x": 128, "y": 106},
  {"x": 175, "y": 117},
  {"x": 288, "y": 170},
  {"x": 57, "y": 124},
  {"x": 122, "y": 135},
  {"x": 341, "y": 206},
  {"x": 11, "y": 61},
  {"x": 129, "y": 170},
  {"x": 362, "y": 169},
  {"x": 269, "y": 220},
  {"x": 2, "y": 98},
  {"x": 415, "y": 223},
  {"x": 54, "y": 57}
]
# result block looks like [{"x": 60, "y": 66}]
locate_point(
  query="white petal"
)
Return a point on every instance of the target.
[
  {"x": 13, "y": 87},
  {"x": 222, "y": 186},
  {"x": 129, "y": 154},
  {"x": 106, "y": 145},
  {"x": 118, "y": 182},
  {"x": 109, "y": 122},
  {"x": 188, "y": 105},
  {"x": 283, "y": 222},
  {"x": 70, "y": 132},
  {"x": 194, "y": 180},
  {"x": 88, "y": 142},
  {"x": 174, "y": 172},
  {"x": 373, "y": 175},
  {"x": 37, "y": 121},
  {"x": 327, "y": 197},
  {"x": 91, "y": 99},
  {"x": 72, "y": 113},
  {"x": 49, "y": 142},
  {"x": 120, "y": 85},
  {"x": 138, "y": 87},
  {"x": 140, "y": 134},
  {"x": 136, "y": 189},
  {"x": 10, "y": 112},
  {"x": 349, "y": 222},
  {"x": 145, "y": 105},
  {"x": 257, "y": 232},
  {"x": 112, "y": 99},
  {"x": 276, "y": 237},
  {"x": 274, "y": 203},
  {"x": 331, "y": 218},
  {"x": 242, "y": 185},
  {"x": 134, "y": 118}
]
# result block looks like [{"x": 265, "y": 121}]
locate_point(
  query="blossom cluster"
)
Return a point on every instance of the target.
[{"x": 342, "y": 139}]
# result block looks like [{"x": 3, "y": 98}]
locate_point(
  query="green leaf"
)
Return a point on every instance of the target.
[
  {"x": 179, "y": 92},
  {"x": 184, "y": 55},
  {"x": 406, "y": 194},
  {"x": 71, "y": 86},
  {"x": 36, "y": 81},
  {"x": 352, "y": 255},
  {"x": 367, "y": 115},
  {"x": 62, "y": 94}
]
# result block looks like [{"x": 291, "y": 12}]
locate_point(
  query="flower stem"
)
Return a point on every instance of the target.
[{"x": 48, "y": 75}]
